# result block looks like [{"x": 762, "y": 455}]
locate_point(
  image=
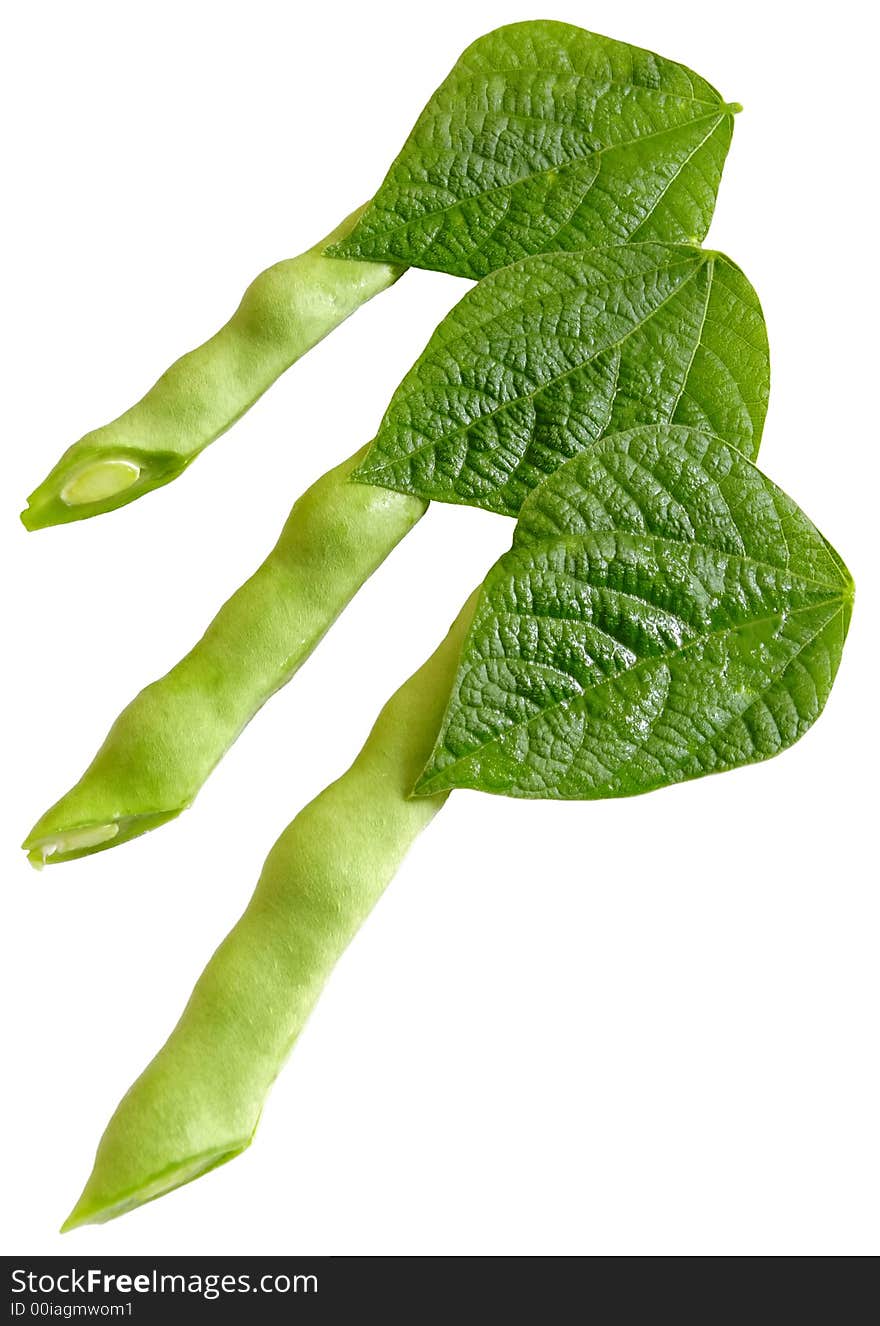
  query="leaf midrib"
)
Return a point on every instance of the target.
[
  {"x": 390, "y": 231},
  {"x": 423, "y": 786},
  {"x": 707, "y": 258}
]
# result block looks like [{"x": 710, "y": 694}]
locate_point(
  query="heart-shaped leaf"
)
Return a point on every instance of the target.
[
  {"x": 547, "y": 137},
  {"x": 546, "y": 355},
  {"x": 665, "y": 612}
]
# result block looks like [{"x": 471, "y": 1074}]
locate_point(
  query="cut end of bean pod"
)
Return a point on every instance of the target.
[
  {"x": 101, "y": 479},
  {"x": 77, "y": 840},
  {"x": 284, "y": 312},
  {"x": 96, "y": 1207},
  {"x": 83, "y": 486},
  {"x": 47, "y": 846}
]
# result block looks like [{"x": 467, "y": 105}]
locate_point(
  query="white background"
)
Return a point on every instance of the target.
[{"x": 643, "y": 1027}]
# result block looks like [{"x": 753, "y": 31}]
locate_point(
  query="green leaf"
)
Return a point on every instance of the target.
[
  {"x": 665, "y": 612},
  {"x": 548, "y": 137},
  {"x": 546, "y": 355}
]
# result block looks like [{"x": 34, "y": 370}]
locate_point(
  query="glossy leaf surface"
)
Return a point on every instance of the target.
[
  {"x": 665, "y": 612},
  {"x": 546, "y": 355},
  {"x": 547, "y": 137}
]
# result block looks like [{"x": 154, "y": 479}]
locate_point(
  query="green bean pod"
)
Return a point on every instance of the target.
[
  {"x": 286, "y": 311},
  {"x": 199, "y": 1101},
  {"x": 165, "y": 743}
]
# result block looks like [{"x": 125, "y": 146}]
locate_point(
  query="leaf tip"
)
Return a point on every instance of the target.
[{"x": 733, "y": 107}]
